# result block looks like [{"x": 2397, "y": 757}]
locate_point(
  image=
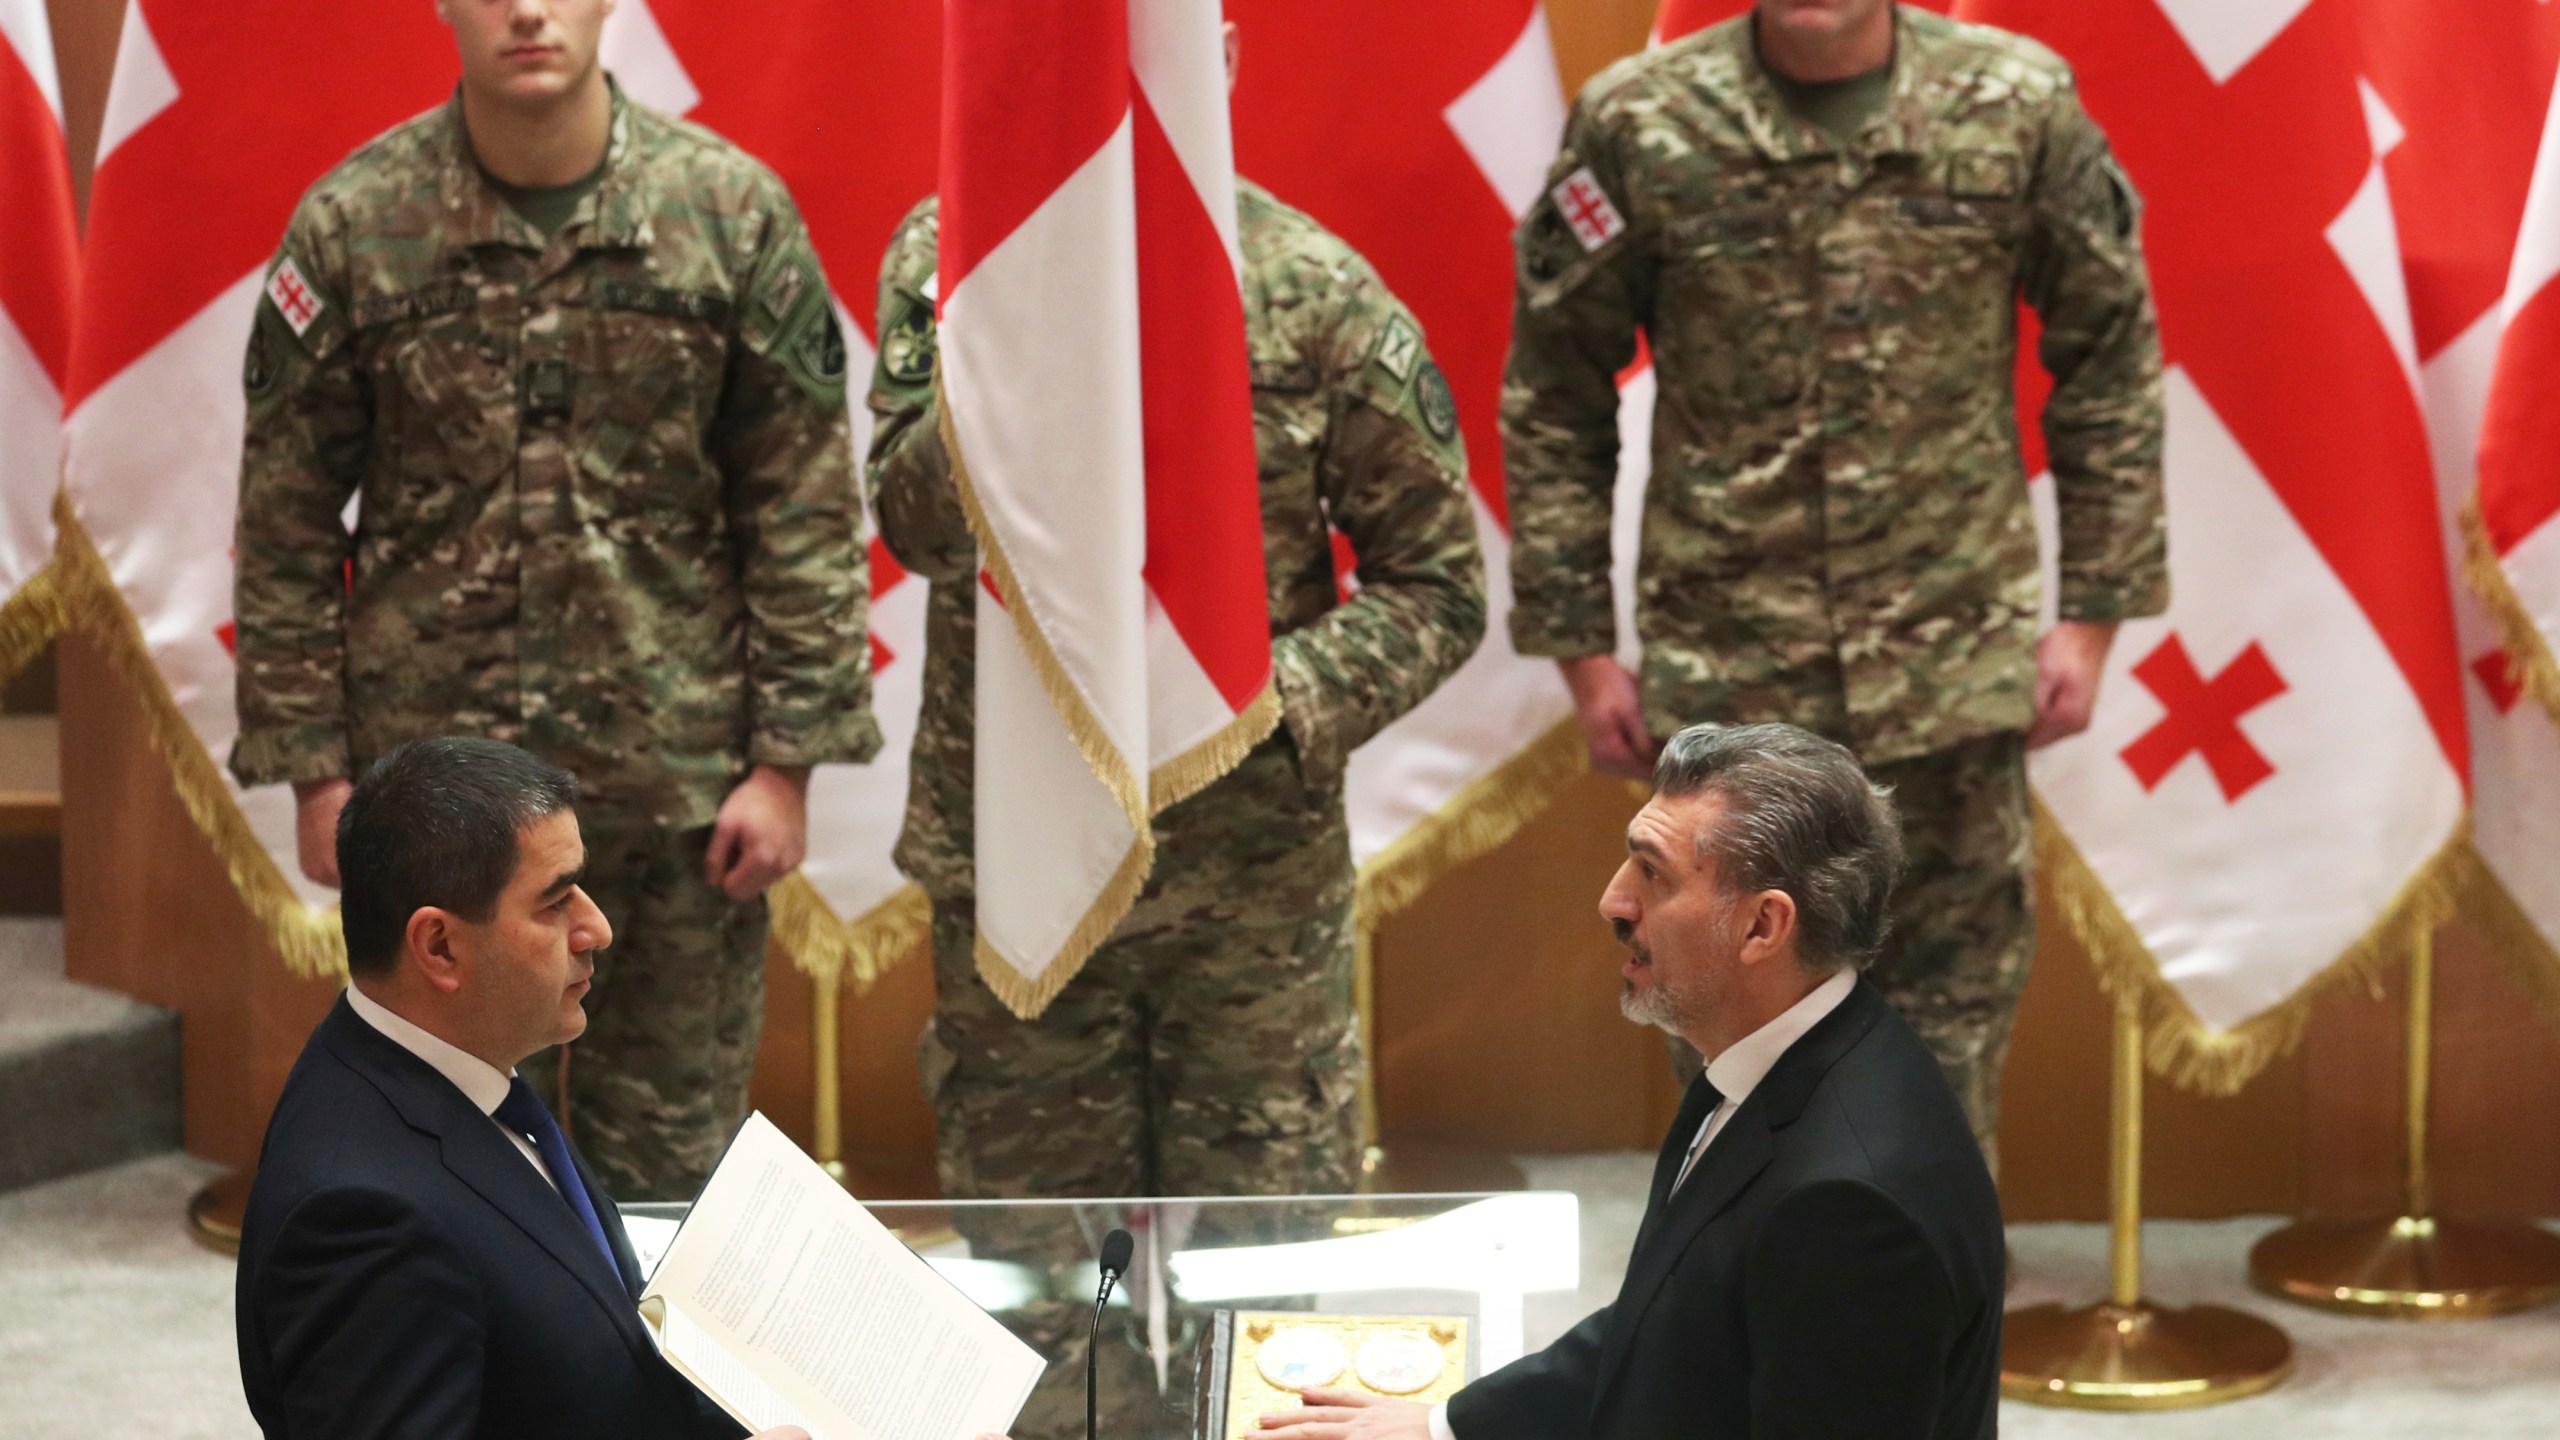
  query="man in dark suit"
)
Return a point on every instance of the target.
[
  {"x": 1821, "y": 1253},
  {"x": 424, "y": 1254}
]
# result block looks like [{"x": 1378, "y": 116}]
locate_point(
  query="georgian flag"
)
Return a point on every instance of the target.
[
  {"x": 2272, "y": 790},
  {"x": 2518, "y": 518},
  {"x": 789, "y": 89},
  {"x": 1096, "y": 405},
  {"x": 212, "y": 131},
  {"x": 38, "y": 249}
]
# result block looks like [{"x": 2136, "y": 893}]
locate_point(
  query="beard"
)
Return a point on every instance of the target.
[{"x": 1653, "y": 1005}]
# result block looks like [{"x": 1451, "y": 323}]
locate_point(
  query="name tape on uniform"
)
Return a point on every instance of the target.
[
  {"x": 294, "y": 298},
  {"x": 1586, "y": 208}
]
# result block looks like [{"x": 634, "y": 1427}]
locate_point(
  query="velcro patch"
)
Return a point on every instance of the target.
[
  {"x": 1586, "y": 208},
  {"x": 1399, "y": 347},
  {"x": 1983, "y": 174},
  {"x": 293, "y": 297}
]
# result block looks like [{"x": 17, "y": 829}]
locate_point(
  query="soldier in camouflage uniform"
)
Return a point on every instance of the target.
[
  {"x": 1837, "y": 530},
  {"x": 1209, "y": 1047},
  {"x": 606, "y": 510}
]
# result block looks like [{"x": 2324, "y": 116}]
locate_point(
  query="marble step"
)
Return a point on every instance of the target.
[{"x": 88, "y": 1078}]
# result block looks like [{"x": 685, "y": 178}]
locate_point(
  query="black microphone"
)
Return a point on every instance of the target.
[{"x": 1117, "y": 1247}]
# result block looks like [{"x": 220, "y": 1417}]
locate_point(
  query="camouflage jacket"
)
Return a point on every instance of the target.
[
  {"x": 1355, "y": 429},
  {"x": 606, "y": 506},
  {"x": 1837, "y": 530}
]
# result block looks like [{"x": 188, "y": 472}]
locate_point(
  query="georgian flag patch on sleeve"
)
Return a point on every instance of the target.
[
  {"x": 1586, "y": 208},
  {"x": 293, "y": 297}
]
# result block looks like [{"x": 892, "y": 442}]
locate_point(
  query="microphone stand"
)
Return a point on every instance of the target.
[{"x": 1117, "y": 1248}]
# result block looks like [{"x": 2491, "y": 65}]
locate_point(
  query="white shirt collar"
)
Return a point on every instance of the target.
[
  {"x": 479, "y": 1081},
  {"x": 1745, "y": 1063}
]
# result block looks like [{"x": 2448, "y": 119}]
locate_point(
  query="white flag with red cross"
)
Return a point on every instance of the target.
[
  {"x": 788, "y": 89},
  {"x": 38, "y": 250},
  {"x": 212, "y": 131},
  {"x": 2272, "y": 789},
  {"x": 1096, "y": 405}
]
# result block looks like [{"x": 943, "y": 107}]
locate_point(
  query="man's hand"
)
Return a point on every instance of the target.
[
  {"x": 316, "y": 804},
  {"x": 2068, "y": 663},
  {"x": 1348, "y": 1415},
  {"x": 1612, "y": 715},
  {"x": 762, "y": 833}
]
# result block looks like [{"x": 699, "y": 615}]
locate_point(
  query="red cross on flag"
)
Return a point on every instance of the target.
[
  {"x": 2517, "y": 522},
  {"x": 37, "y": 249},
  {"x": 2272, "y": 790},
  {"x": 212, "y": 131},
  {"x": 789, "y": 89},
  {"x": 1095, "y": 402}
]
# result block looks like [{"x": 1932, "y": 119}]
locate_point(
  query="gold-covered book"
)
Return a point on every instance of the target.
[{"x": 1253, "y": 1362}]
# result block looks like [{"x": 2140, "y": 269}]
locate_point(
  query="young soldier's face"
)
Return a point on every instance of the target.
[
  {"x": 1822, "y": 19},
  {"x": 526, "y": 50}
]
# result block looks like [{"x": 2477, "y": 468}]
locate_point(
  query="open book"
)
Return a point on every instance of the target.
[{"x": 790, "y": 1305}]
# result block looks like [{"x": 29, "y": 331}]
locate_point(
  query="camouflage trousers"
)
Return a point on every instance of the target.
[
  {"x": 658, "y": 1082},
  {"x": 1210, "y": 1047},
  {"x": 1963, "y": 917}
]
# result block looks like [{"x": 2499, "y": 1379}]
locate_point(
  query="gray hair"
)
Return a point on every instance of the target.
[{"x": 1799, "y": 816}]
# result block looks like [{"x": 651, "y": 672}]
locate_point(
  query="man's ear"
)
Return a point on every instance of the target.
[
  {"x": 1772, "y": 927},
  {"x": 440, "y": 946}
]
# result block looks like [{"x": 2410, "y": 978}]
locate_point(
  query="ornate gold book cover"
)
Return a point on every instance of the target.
[{"x": 1253, "y": 1362}]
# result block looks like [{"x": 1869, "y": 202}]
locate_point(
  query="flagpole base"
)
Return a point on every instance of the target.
[
  {"x": 2138, "y": 1357},
  {"x": 2410, "y": 1268},
  {"x": 215, "y": 1213}
]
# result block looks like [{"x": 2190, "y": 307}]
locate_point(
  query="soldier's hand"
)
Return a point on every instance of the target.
[
  {"x": 1348, "y": 1415},
  {"x": 2069, "y": 662},
  {"x": 1612, "y": 714},
  {"x": 762, "y": 833},
  {"x": 316, "y": 804}
]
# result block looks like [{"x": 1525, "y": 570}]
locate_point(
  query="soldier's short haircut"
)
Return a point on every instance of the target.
[
  {"x": 1799, "y": 816},
  {"x": 435, "y": 823}
]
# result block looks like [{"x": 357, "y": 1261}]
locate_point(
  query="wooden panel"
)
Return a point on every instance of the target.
[{"x": 84, "y": 45}]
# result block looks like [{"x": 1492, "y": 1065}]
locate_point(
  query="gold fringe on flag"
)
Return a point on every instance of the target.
[
  {"x": 308, "y": 939},
  {"x": 824, "y": 946},
  {"x": 2181, "y": 1047},
  {"x": 1027, "y": 995},
  {"x": 29, "y": 620},
  {"x": 2529, "y": 659}
]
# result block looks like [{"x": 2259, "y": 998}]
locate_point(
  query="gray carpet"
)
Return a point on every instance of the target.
[{"x": 116, "y": 1321}]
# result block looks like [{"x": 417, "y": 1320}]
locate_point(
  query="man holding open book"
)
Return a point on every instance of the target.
[{"x": 424, "y": 1253}]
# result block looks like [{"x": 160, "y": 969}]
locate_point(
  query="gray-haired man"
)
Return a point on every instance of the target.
[{"x": 1821, "y": 1251}]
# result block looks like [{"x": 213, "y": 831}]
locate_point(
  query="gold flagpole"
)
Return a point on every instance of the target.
[
  {"x": 827, "y": 1103},
  {"x": 2126, "y": 1353},
  {"x": 2415, "y": 1265}
]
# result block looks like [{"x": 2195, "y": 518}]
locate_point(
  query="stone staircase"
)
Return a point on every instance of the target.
[{"x": 88, "y": 1078}]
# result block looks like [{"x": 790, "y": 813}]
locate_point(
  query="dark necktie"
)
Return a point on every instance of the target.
[
  {"x": 522, "y": 1111},
  {"x": 1695, "y": 1106}
]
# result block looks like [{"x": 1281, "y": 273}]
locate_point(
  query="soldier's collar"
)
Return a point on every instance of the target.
[
  {"x": 1900, "y": 125},
  {"x": 615, "y": 214}
]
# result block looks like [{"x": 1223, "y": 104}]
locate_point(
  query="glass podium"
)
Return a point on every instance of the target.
[{"x": 1032, "y": 1264}]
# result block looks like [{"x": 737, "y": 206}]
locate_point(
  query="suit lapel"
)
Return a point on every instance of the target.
[
  {"x": 1741, "y": 1150},
  {"x": 1699, "y": 1101},
  {"x": 479, "y": 1154}
]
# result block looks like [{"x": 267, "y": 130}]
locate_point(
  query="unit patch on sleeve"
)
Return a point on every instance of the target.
[
  {"x": 293, "y": 297},
  {"x": 1399, "y": 346},
  {"x": 1586, "y": 208}
]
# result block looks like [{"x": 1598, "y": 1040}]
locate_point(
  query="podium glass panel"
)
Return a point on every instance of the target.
[{"x": 1033, "y": 1265}]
